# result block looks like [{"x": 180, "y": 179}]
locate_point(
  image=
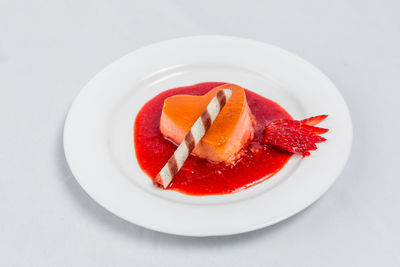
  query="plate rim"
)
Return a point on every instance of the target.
[{"x": 228, "y": 232}]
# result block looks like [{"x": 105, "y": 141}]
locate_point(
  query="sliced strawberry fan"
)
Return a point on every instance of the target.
[{"x": 295, "y": 136}]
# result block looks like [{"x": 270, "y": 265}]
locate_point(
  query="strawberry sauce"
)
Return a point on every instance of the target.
[{"x": 200, "y": 176}]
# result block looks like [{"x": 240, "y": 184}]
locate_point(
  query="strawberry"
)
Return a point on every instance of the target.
[
  {"x": 294, "y": 136},
  {"x": 314, "y": 120}
]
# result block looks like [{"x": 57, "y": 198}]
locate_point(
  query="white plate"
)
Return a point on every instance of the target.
[{"x": 98, "y": 134}]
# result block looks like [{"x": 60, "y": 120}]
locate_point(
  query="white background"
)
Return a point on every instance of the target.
[{"x": 50, "y": 49}]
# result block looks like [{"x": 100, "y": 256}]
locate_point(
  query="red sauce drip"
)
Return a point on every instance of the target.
[{"x": 200, "y": 176}]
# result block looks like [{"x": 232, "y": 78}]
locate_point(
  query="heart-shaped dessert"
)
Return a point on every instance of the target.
[{"x": 227, "y": 135}]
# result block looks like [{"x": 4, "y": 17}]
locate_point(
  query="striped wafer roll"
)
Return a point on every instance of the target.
[{"x": 193, "y": 137}]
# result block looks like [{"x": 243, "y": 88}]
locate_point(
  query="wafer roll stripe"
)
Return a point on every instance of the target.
[{"x": 192, "y": 138}]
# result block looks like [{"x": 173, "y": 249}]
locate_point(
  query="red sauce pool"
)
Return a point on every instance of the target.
[{"x": 199, "y": 176}]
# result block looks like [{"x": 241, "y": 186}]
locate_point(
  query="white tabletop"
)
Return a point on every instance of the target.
[{"x": 49, "y": 50}]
